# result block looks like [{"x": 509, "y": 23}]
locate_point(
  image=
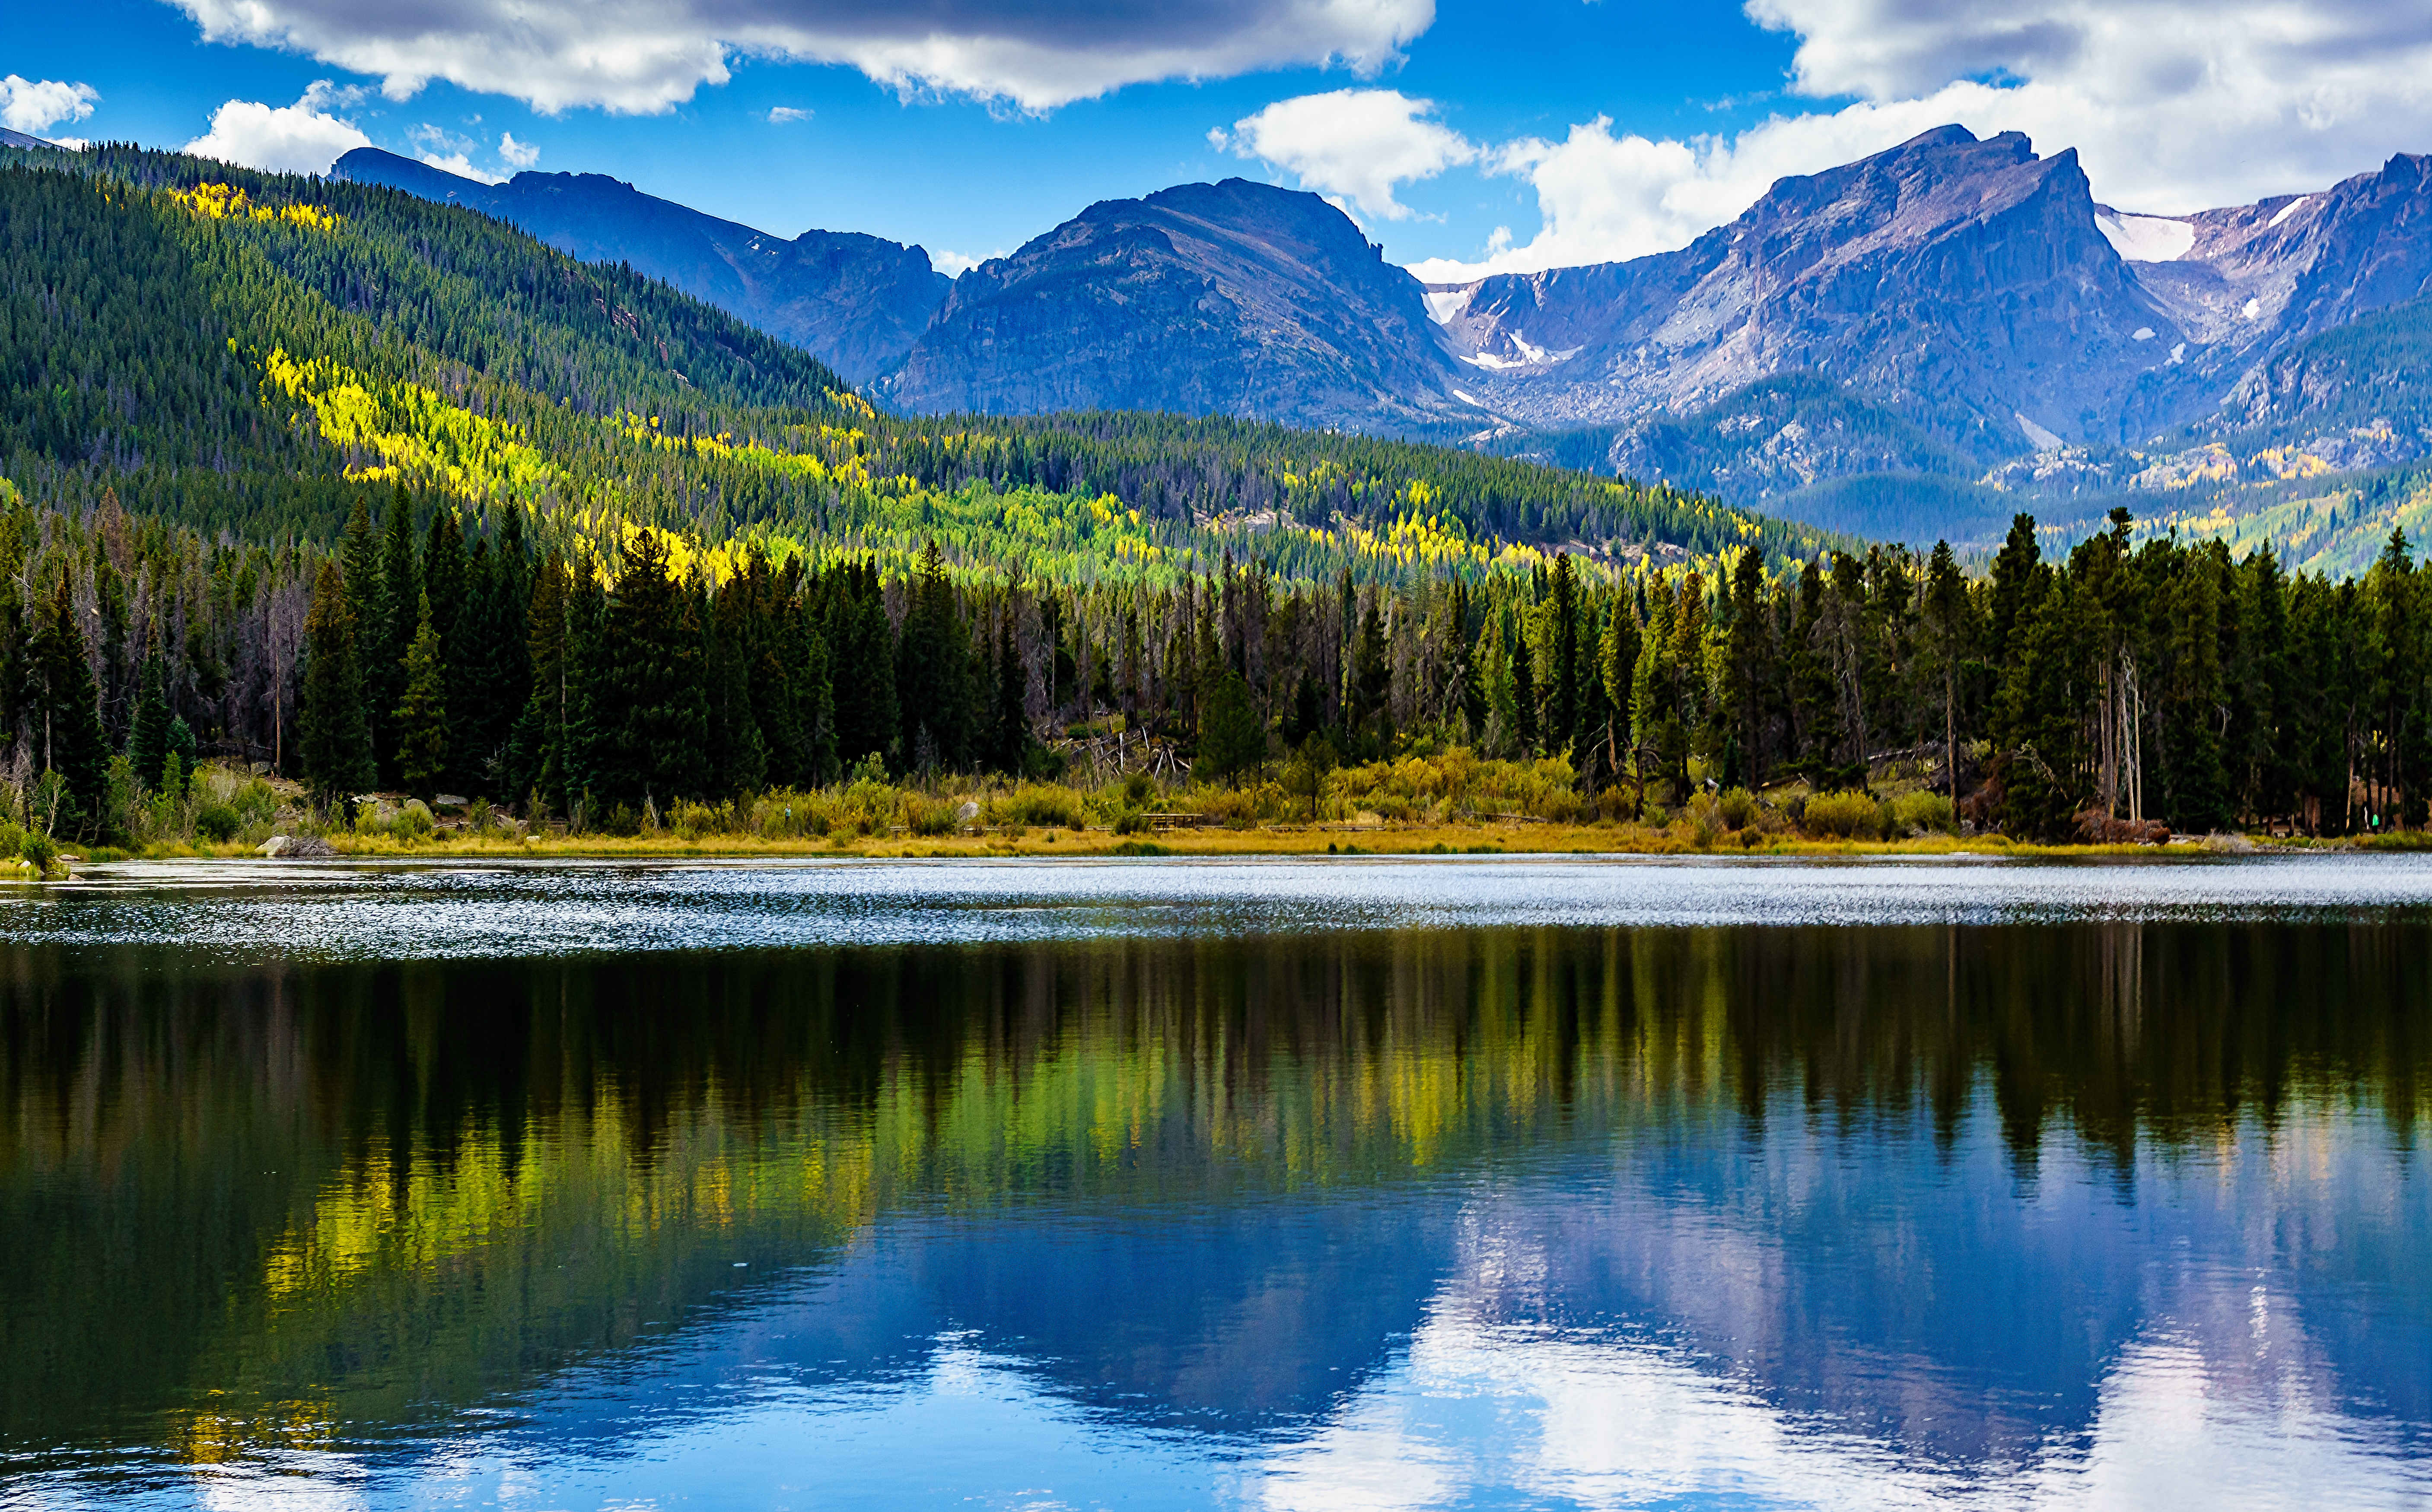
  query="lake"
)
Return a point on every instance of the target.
[{"x": 1562, "y": 1182}]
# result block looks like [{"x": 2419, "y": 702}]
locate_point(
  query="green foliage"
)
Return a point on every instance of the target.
[
  {"x": 1038, "y": 806},
  {"x": 422, "y": 712},
  {"x": 336, "y": 746},
  {"x": 1842, "y": 816},
  {"x": 1920, "y": 812},
  {"x": 1232, "y": 738},
  {"x": 1736, "y": 808}
]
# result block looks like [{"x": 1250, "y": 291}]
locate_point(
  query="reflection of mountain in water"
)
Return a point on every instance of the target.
[{"x": 1926, "y": 1185}]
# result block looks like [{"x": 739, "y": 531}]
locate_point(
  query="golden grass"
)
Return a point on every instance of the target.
[{"x": 1382, "y": 840}]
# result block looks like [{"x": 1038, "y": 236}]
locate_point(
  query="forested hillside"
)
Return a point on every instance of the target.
[
  {"x": 382, "y": 492},
  {"x": 231, "y": 350}
]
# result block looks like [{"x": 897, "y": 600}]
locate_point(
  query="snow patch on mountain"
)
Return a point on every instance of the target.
[{"x": 2146, "y": 238}]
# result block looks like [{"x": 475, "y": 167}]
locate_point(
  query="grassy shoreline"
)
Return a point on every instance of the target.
[{"x": 1513, "y": 840}]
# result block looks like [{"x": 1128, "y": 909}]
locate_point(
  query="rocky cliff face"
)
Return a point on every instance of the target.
[
  {"x": 1231, "y": 298},
  {"x": 1964, "y": 283},
  {"x": 854, "y": 301},
  {"x": 2254, "y": 285}
]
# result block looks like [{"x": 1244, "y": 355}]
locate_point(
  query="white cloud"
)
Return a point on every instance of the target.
[
  {"x": 302, "y": 138},
  {"x": 460, "y": 166},
  {"x": 954, "y": 264},
  {"x": 443, "y": 149},
  {"x": 647, "y": 56},
  {"x": 32, "y": 106},
  {"x": 516, "y": 154},
  {"x": 2173, "y": 105},
  {"x": 1353, "y": 146},
  {"x": 788, "y": 115}
]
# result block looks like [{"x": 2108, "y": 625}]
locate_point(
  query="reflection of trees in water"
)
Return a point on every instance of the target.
[{"x": 351, "y": 1195}]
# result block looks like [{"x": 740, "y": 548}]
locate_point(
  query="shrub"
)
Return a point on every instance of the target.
[
  {"x": 1132, "y": 821},
  {"x": 39, "y": 850},
  {"x": 414, "y": 821},
  {"x": 255, "y": 802},
  {"x": 928, "y": 816},
  {"x": 1923, "y": 811},
  {"x": 1841, "y": 816},
  {"x": 787, "y": 815},
  {"x": 1737, "y": 807},
  {"x": 692, "y": 820},
  {"x": 218, "y": 822},
  {"x": 1138, "y": 790},
  {"x": 1049, "y": 807}
]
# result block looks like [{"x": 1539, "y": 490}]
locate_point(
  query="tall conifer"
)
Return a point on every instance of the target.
[
  {"x": 336, "y": 747},
  {"x": 422, "y": 711}
]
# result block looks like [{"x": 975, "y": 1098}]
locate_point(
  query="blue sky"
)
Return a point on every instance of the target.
[{"x": 1523, "y": 134}]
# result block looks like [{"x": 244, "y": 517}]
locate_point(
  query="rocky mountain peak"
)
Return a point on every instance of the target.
[
  {"x": 1963, "y": 281},
  {"x": 1234, "y": 297}
]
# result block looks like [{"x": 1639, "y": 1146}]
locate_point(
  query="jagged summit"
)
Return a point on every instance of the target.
[{"x": 1962, "y": 282}]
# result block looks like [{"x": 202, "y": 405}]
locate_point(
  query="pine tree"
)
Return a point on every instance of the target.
[
  {"x": 366, "y": 604},
  {"x": 803, "y": 650},
  {"x": 397, "y": 601},
  {"x": 655, "y": 714},
  {"x": 861, "y": 666},
  {"x": 336, "y": 748},
  {"x": 1946, "y": 621},
  {"x": 1524, "y": 698},
  {"x": 422, "y": 711},
  {"x": 1009, "y": 720},
  {"x": 147, "y": 740},
  {"x": 536, "y": 749},
  {"x": 1232, "y": 740},
  {"x": 1372, "y": 674},
  {"x": 1616, "y": 668},
  {"x": 739, "y": 751},
  {"x": 67, "y": 711},
  {"x": 1563, "y": 689},
  {"x": 933, "y": 670}
]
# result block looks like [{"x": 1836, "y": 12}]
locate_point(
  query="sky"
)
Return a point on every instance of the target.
[{"x": 1463, "y": 136}]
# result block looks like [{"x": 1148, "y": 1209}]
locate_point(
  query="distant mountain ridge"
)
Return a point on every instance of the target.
[
  {"x": 1952, "y": 309},
  {"x": 1231, "y": 298},
  {"x": 1962, "y": 282},
  {"x": 854, "y": 301}
]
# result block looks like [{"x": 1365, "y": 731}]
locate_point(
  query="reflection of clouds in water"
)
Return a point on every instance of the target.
[
  {"x": 303, "y": 1482},
  {"x": 1493, "y": 1415}
]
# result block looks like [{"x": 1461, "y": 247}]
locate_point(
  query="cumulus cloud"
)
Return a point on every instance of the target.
[
  {"x": 2173, "y": 105},
  {"x": 438, "y": 148},
  {"x": 303, "y": 138},
  {"x": 516, "y": 154},
  {"x": 34, "y": 106},
  {"x": 954, "y": 264},
  {"x": 1355, "y": 146},
  {"x": 787, "y": 115},
  {"x": 647, "y": 56}
]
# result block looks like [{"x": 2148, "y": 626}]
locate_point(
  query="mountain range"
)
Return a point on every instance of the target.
[
  {"x": 854, "y": 301},
  {"x": 1956, "y": 312}
]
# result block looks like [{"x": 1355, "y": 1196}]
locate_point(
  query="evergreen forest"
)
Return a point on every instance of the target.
[{"x": 384, "y": 495}]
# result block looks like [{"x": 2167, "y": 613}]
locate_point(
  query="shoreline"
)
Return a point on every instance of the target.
[{"x": 1338, "y": 841}]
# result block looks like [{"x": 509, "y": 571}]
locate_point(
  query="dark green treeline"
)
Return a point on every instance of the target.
[{"x": 2152, "y": 682}]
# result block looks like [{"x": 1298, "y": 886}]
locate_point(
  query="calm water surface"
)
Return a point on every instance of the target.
[{"x": 1238, "y": 1184}]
